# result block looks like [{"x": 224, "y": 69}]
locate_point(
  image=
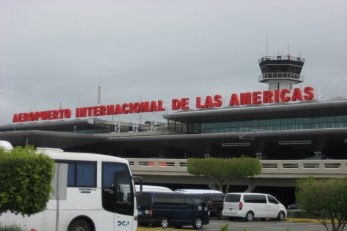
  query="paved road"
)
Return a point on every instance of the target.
[
  {"x": 266, "y": 226},
  {"x": 253, "y": 226}
]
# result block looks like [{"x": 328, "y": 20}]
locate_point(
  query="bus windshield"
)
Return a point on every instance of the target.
[{"x": 117, "y": 188}]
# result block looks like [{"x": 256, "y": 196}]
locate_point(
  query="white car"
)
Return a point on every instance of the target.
[{"x": 253, "y": 205}]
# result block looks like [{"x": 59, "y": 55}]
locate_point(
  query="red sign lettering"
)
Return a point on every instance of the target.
[
  {"x": 182, "y": 104},
  {"x": 42, "y": 115},
  {"x": 242, "y": 99},
  {"x": 210, "y": 102}
]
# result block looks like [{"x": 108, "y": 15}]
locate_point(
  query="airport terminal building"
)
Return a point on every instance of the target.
[
  {"x": 282, "y": 123},
  {"x": 316, "y": 130}
]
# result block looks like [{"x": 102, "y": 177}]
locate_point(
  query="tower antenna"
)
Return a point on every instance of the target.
[
  {"x": 99, "y": 89},
  {"x": 99, "y": 94},
  {"x": 267, "y": 46}
]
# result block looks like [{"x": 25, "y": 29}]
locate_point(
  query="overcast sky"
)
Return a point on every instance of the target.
[{"x": 57, "y": 53}]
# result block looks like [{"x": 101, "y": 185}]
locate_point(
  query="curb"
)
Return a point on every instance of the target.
[{"x": 302, "y": 220}]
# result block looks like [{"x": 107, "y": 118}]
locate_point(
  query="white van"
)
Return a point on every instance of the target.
[
  {"x": 152, "y": 188},
  {"x": 253, "y": 205},
  {"x": 197, "y": 191}
]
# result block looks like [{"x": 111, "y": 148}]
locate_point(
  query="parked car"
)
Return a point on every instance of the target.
[
  {"x": 253, "y": 205},
  {"x": 214, "y": 199},
  {"x": 293, "y": 206},
  {"x": 172, "y": 209}
]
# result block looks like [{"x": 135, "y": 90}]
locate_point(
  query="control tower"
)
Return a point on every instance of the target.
[{"x": 281, "y": 72}]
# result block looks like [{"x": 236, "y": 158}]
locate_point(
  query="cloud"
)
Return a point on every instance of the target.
[{"x": 54, "y": 53}]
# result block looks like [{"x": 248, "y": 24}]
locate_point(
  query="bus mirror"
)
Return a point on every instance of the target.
[{"x": 138, "y": 178}]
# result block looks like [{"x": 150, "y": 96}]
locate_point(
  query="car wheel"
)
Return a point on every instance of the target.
[
  {"x": 198, "y": 223},
  {"x": 164, "y": 222},
  {"x": 280, "y": 216},
  {"x": 249, "y": 216},
  {"x": 220, "y": 215}
]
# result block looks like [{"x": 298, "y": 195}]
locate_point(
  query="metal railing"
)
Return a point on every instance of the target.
[
  {"x": 281, "y": 75},
  {"x": 280, "y": 57},
  {"x": 270, "y": 168}
]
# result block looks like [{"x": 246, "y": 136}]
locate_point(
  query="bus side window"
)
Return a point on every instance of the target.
[{"x": 82, "y": 174}]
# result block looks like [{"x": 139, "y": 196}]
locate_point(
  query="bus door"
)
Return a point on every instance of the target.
[{"x": 118, "y": 195}]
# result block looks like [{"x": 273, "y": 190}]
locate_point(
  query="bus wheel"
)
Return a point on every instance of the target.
[
  {"x": 198, "y": 223},
  {"x": 164, "y": 223},
  {"x": 80, "y": 224}
]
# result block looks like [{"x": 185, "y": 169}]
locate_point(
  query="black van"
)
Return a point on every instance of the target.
[
  {"x": 172, "y": 209},
  {"x": 213, "y": 198}
]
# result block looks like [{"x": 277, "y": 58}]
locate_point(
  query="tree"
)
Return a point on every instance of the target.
[
  {"x": 224, "y": 171},
  {"x": 325, "y": 200},
  {"x": 25, "y": 179}
]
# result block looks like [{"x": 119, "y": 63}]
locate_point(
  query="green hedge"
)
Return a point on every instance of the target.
[
  {"x": 297, "y": 213},
  {"x": 25, "y": 179},
  {"x": 11, "y": 228}
]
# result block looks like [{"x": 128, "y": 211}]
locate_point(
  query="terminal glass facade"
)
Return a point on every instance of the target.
[{"x": 299, "y": 123}]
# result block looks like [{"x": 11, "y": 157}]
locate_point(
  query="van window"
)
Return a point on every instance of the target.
[
  {"x": 198, "y": 200},
  {"x": 272, "y": 200},
  {"x": 169, "y": 200},
  {"x": 144, "y": 200},
  {"x": 232, "y": 198},
  {"x": 260, "y": 199},
  {"x": 188, "y": 201},
  {"x": 219, "y": 197}
]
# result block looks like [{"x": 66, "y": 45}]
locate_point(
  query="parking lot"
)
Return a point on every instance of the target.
[{"x": 288, "y": 224}]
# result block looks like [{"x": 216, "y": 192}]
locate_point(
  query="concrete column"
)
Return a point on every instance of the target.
[
  {"x": 318, "y": 155},
  {"x": 259, "y": 155}
]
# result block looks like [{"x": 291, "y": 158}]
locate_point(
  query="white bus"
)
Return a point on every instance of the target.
[{"x": 98, "y": 194}]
